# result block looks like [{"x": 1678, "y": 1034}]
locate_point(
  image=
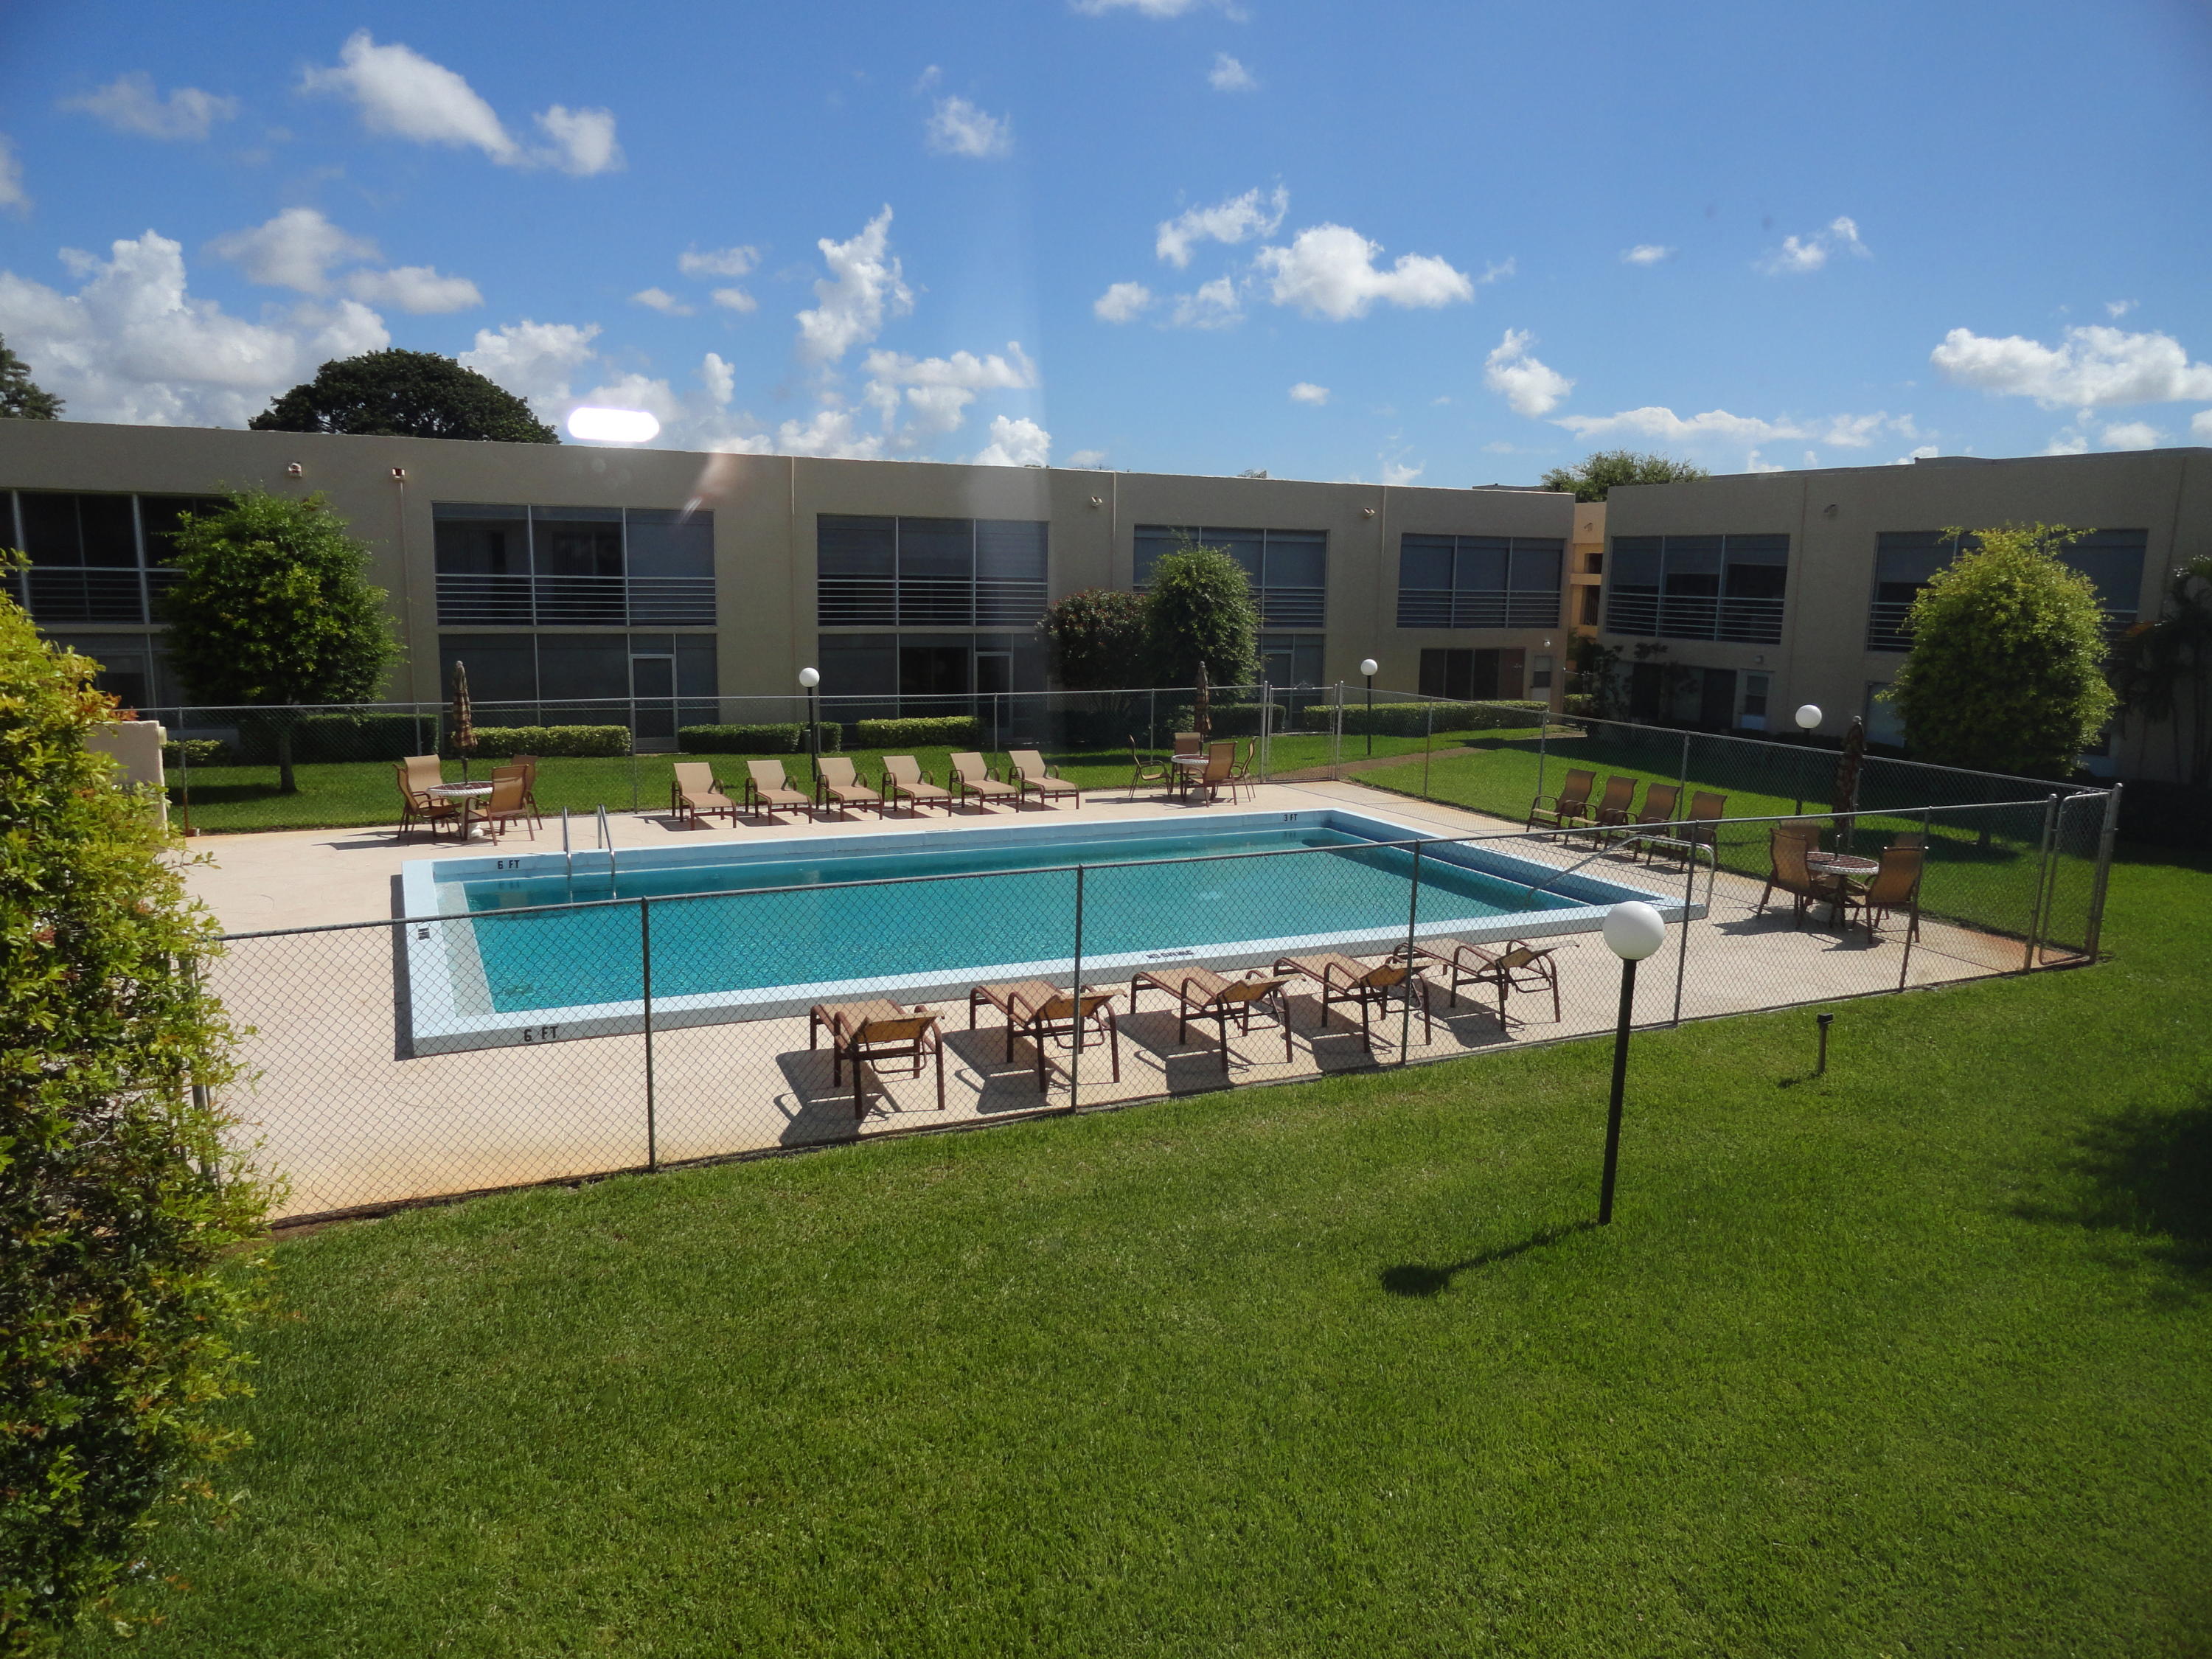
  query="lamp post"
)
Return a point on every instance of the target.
[
  {"x": 1808, "y": 722},
  {"x": 1632, "y": 932},
  {"x": 810, "y": 677},
  {"x": 1369, "y": 667}
]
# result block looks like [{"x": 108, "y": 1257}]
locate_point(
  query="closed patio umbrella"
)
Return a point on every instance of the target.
[
  {"x": 1845, "y": 798},
  {"x": 1201, "y": 715},
  {"x": 463, "y": 717}
]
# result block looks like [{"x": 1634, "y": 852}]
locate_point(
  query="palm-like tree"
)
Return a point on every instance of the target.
[{"x": 2163, "y": 670}]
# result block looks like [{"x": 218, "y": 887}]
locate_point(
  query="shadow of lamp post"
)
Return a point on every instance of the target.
[
  {"x": 1369, "y": 667},
  {"x": 1632, "y": 932}
]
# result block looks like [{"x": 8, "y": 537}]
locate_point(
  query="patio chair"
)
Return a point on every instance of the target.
[
  {"x": 695, "y": 790},
  {"x": 1201, "y": 993},
  {"x": 972, "y": 776},
  {"x": 423, "y": 770},
  {"x": 1346, "y": 979},
  {"x": 1188, "y": 743},
  {"x": 1138, "y": 777},
  {"x": 506, "y": 804},
  {"x": 1787, "y": 847},
  {"x": 1806, "y": 830},
  {"x": 1520, "y": 966},
  {"x": 1042, "y": 1011},
  {"x": 905, "y": 781},
  {"x": 1659, "y": 803},
  {"x": 1033, "y": 777},
  {"x": 1613, "y": 806},
  {"x": 868, "y": 1032},
  {"x": 417, "y": 807},
  {"x": 1700, "y": 829},
  {"x": 529, "y": 765},
  {"x": 1220, "y": 763},
  {"x": 767, "y": 788},
  {"x": 1239, "y": 775},
  {"x": 1894, "y": 886},
  {"x": 836, "y": 781},
  {"x": 1569, "y": 808}
]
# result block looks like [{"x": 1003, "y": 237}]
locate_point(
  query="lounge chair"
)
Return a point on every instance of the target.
[
  {"x": 872, "y": 1032},
  {"x": 1612, "y": 809},
  {"x": 1569, "y": 808},
  {"x": 695, "y": 790},
  {"x": 1520, "y": 966},
  {"x": 1201, "y": 993},
  {"x": 1787, "y": 847},
  {"x": 1138, "y": 777},
  {"x": 506, "y": 805},
  {"x": 971, "y": 776},
  {"x": 904, "y": 780},
  {"x": 1033, "y": 777},
  {"x": 1894, "y": 886},
  {"x": 1345, "y": 978},
  {"x": 768, "y": 789},
  {"x": 836, "y": 781},
  {"x": 416, "y": 806},
  {"x": 1700, "y": 829},
  {"x": 1040, "y": 1011}
]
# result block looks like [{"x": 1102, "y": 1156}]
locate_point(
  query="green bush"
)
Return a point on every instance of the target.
[
  {"x": 1413, "y": 719},
  {"x": 498, "y": 742},
  {"x": 933, "y": 732},
  {"x": 1226, "y": 719},
  {"x": 775, "y": 738},
  {"x": 121, "y": 1299},
  {"x": 363, "y": 737},
  {"x": 195, "y": 751}
]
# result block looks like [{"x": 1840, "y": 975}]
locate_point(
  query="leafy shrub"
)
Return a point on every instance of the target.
[
  {"x": 1097, "y": 638},
  {"x": 118, "y": 1200},
  {"x": 573, "y": 742},
  {"x": 363, "y": 737},
  {"x": 1226, "y": 719},
  {"x": 774, "y": 739},
  {"x": 195, "y": 751},
  {"x": 931, "y": 731},
  {"x": 1413, "y": 719}
]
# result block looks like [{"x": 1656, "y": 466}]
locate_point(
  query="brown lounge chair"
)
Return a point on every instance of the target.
[
  {"x": 1520, "y": 966},
  {"x": 768, "y": 789},
  {"x": 1569, "y": 808},
  {"x": 1201, "y": 993},
  {"x": 1612, "y": 809},
  {"x": 837, "y": 781},
  {"x": 1795, "y": 876},
  {"x": 873, "y": 1031},
  {"x": 695, "y": 790},
  {"x": 905, "y": 781},
  {"x": 1040, "y": 1011},
  {"x": 417, "y": 807},
  {"x": 507, "y": 804},
  {"x": 1033, "y": 777},
  {"x": 1345, "y": 978},
  {"x": 1894, "y": 886},
  {"x": 970, "y": 776}
]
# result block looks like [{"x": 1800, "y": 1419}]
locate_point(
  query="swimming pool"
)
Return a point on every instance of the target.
[{"x": 769, "y": 926}]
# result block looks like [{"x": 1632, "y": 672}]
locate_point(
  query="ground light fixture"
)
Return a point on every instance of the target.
[
  {"x": 1632, "y": 932},
  {"x": 596, "y": 424},
  {"x": 810, "y": 677},
  {"x": 1370, "y": 668}
]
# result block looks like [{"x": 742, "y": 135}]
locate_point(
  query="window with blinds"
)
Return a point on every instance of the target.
[
  {"x": 1479, "y": 581},
  {"x": 884, "y": 572},
  {"x": 1288, "y": 568}
]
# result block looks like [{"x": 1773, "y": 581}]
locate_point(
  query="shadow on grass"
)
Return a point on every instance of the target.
[
  {"x": 2146, "y": 1172},
  {"x": 1413, "y": 1279}
]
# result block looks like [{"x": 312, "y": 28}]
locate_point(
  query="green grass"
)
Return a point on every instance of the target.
[{"x": 1915, "y": 1359}]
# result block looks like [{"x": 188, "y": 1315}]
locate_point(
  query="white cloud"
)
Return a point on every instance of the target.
[
  {"x": 2132, "y": 434},
  {"x": 1232, "y": 220},
  {"x": 718, "y": 261},
  {"x": 534, "y": 360},
  {"x": 1529, "y": 387},
  {"x": 2093, "y": 366},
  {"x": 1213, "y": 306},
  {"x": 929, "y": 77},
  {"x": 1646, "y": 253},
  {"x": 734, "y": 299},
  {"x": 402, "y": 93},
  {"x": 719, "y": 379},
  {"x": 1718, "y": 425},
  {"x": 1798, "y": 255},
  {"x": 1230, "y": 76},
  {"x": 865, "y": 284},
  {"x": 1305, "y": 392},
  {"x": 11, "y": 177},
  {"x": 1752, "y": 463},
  {"x": 1088, "y": 458},
  {"x": 660, "y": 299},
  {"x": 1397, "y": 472},
  {"x": 1497, "y": 272},
  {"x": 295, "y": 250},
  {"x": 417, "y": 289},
  {"x": 2200, "y": 426},
  {"x": 132, "y": 345},
  {"x": 1330, "y": 272},
  {"x": 957, "y": 127},
  {"x": 1122, "y": 302},
  {"x": 2068, "y": 442},
  {"x": 831, "y": 434},
  {"x": 1924, "y": 453},
  {"x": 130, "y": 104},
  {"x": 583, "y": 141},
  {"x": 2119, "y": 308},
  {"x": 936, "y": 392},
  {"x": 1019, "y": 442}
]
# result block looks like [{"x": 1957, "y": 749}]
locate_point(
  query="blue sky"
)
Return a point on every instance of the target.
[{"x": 1454, "y": 244}]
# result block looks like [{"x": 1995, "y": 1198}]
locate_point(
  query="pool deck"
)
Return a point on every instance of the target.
[{"x": 348, "y": 1123}]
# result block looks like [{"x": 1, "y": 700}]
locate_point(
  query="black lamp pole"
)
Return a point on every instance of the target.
[
  {"x": 1619, "y": 1085},
  {"x": 1371, "y": 714}
]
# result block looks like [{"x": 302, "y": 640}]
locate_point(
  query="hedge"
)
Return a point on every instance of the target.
[
  {"x": 932, "y": 732},
  {"x": 1413, "y": 719},
  {"x": 334, "y": 736},
  {"x": 569, "y": 742},
  {"x": 774, "y": 739},
  {"x": 195, "y": 751},
  {"x": 1224, "y": 719}
]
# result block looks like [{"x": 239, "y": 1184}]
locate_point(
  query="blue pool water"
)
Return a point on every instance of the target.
[{"x": 1003, "y": 908}]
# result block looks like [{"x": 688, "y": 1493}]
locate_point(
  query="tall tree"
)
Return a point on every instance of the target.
[
  {"x": 1096, "y": 637},
  {"x": 1200, "y": 609},
  {"x": 2006, "y": 668},
  {"x": 405, "y": 394},
  {"x": 272, "y": 605},
  {"x": 1594, "y": 475},
  {"x": 121, "y": 1299},
  {"x": 2163, "y": 671},
  {"x": 21, "y": 398}
]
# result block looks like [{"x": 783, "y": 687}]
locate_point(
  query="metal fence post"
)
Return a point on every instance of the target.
[
  {"x": 645, "y": 964},
  {"x": 1336, "y": 737},
  {"x": 1428, "y": 743},
  {"x": 2106, "y": 837},
  {"x": 1686, "y": 769},
  {"x": 1412, "y": 921},
  {"x": 2042, "y": 878},
  {"x": 1543, "y": 737},
  {"x": 1689, "y": 898},
  {"x": 1075, "y": 992},
  {"x": 1267, "y": 707},
  {"x": 633, "y": 754}
]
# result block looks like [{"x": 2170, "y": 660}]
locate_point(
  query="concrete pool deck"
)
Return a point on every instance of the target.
[{"x": 349, "y": 1123}]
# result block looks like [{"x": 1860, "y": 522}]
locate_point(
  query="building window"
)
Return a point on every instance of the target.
[
  {"x": 1479, "y": 581},
  {"x": 1291, "y": 659},
  {"x": 1590, "y": 607},
  {"x": 943, "y": 573},
  {"x": 1756, "y": 687},
  {"x": 1472, "y": 676},
  {"x": 1288, "y": 568},
  {"x": 651, "y": 683},
  {"x": 95, "y": 559},
  {"x": 1906, "y": 560},
  {"x": 871, "y": 675},
  {"x": 572, "y": 567},
  {"x": 1697, "y": 587},
  {"x": 1540, "y": 674}
]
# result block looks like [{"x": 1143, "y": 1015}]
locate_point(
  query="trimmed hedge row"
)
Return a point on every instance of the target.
[
  {"x": 569, "y": 742},
  {"x": 334, "y": 736},
  {"x": 777, "y": 738},
  {"x": 933, "y": 731},
  {"x": 1411, "y": 720},
  {"x": 194, "y": 751}
]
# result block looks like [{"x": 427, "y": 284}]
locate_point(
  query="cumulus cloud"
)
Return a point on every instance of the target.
[
  {"x": 734, "y": 299},
  {"x": 1019, "y": 442},
  {"x": 957, "y": 127},
  {"x": 2131, "y": 435},
  {"x": 1122, "y": 302},
  {"x": 130, "y": 104},
  {"x": 2093, "y": 366},
  {"x": 1236, "y": 220},
  {"x": 1230, "y": 76},
  {"x": 131, "y": 345},
  {"x": 719, "y": 379},
  {"x": 1305, "y": 392},
  {"x": 2200, "y": 426},
  {"x": 717, "y": 261},
  {"x": 294, "y": 250},
  {"x": 660, "y": 299},
  {"x": 1329, "y": 270},
  {"x": 1213, "y": 306},
  {"x": 864, "y": 285},
  {"x": 2119, "y": 308},
  {"x": 1798, "y": 254},
  {"x": 1396, "y": 473},
  {"x": 1663, "y": 424},
  {"x": 583, "y": 141},
  {"x": 1529, "y": 387},
  {"x": 534, "y": 360},
  {"x": 11, "y": 177},
  {"x": 1092, "y": 458},
  {"x": 934, "y": 393},
  {"x": 1924, "y": 453},
  {"x": 1646, "y": 253},
  {"x": 417, "y": 289}
]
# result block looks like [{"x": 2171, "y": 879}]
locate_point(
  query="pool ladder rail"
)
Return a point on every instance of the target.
[{"x": 606, "y": 845}]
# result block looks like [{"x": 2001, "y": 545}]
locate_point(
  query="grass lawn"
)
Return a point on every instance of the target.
[{"x": 1912, "y": 1359}]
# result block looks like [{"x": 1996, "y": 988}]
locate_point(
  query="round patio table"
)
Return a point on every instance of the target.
[
  {"x": 1189, "y": 766},
  {"x": 462, "y": 795},
  {"x": 1840, "y": 866}
]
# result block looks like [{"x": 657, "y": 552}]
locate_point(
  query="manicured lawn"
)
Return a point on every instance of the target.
[{"x": 1914, "y": 1358}]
